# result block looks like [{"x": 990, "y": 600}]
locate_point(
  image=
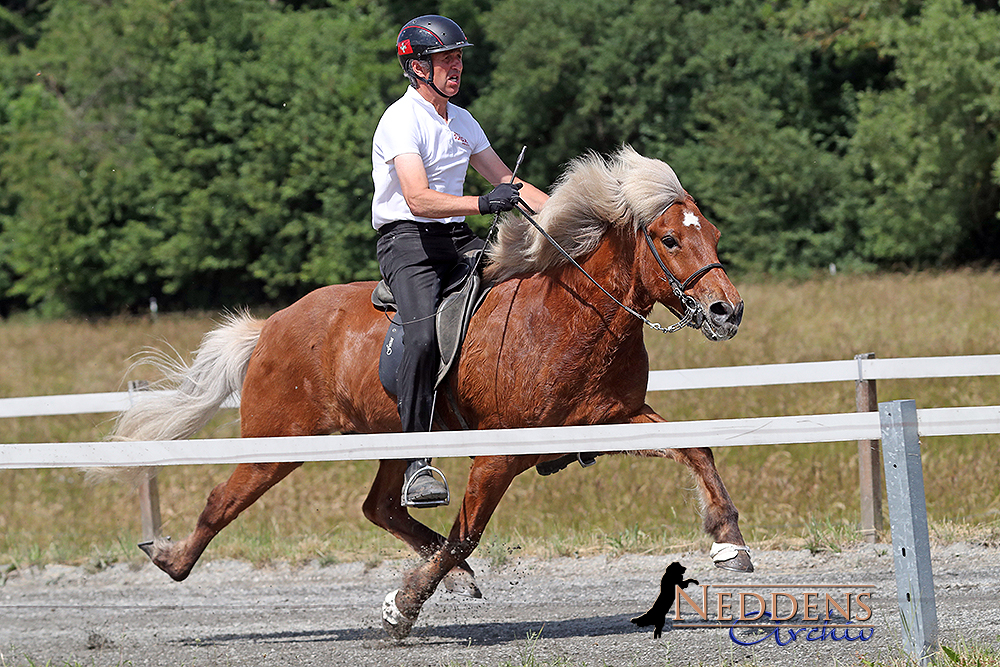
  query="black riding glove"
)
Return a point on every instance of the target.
[{"x": 501, "y": 198}]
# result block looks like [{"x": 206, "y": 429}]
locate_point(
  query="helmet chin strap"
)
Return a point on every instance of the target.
[{"x": 430, "y": 80}]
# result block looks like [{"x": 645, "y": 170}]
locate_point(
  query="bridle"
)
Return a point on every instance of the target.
[{"x": 693, "y": 314}]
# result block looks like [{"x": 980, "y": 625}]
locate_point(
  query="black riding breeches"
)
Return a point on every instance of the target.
[{"x": 415, "y": 259}]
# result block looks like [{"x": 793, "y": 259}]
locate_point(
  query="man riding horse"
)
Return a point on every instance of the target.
[
  {"x": 421, "y": 151},
  {"x": 557, "y": 341}
]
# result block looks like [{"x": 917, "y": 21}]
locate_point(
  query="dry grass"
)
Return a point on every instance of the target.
[{"x": 789, "y": 496}]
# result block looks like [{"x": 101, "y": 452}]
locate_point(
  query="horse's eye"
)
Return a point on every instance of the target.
[{"x": 669, "y": 242}]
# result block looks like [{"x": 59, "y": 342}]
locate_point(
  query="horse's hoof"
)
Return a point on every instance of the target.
[
  {"x": 462, "y": 582},
  {"x": 739, "y": 563},
  {"x": 393, "y": 621},
  {"x": 151, "y": 547},
  {"x": 158, "y": 551}
]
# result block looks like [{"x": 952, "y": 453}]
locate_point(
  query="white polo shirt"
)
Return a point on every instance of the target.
[{"x": 411, "y": 125}]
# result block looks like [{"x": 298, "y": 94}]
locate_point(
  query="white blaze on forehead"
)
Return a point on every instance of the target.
[{"x": 691, "y": 220}]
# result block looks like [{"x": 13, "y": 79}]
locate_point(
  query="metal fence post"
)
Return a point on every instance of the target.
[
  {"x": 869, "y": 455},
  {"x": 904, "y": 480}
]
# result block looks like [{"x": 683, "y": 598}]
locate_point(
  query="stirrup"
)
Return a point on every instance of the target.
[{"x": 404, "y": 499}]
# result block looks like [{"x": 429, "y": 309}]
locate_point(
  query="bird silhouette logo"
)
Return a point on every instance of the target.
[{"x": 657, "y": 615}]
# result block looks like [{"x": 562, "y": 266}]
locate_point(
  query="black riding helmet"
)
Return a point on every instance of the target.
[{"x": 423, "y": 36}]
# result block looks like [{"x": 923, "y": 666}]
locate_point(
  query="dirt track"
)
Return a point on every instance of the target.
[{"x": 562, "y": 611}]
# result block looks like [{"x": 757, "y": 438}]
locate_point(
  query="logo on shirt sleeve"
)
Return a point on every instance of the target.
[{"x": 404, "y": 47}]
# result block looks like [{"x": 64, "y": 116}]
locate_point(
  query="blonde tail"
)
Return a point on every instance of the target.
[{"x": 189, "y": 395}]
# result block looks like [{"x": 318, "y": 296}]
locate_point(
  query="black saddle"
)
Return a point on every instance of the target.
[{"x": 463, "y": 294}]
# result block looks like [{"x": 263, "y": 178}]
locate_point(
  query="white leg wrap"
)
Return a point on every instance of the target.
[
  {"x": 724, "y": 551},
  {"x": 393, "y": 620}
]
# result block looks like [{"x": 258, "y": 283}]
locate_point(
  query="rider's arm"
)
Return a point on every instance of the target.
[
  {"x": 422, "y": 200},
  {"x": 492, "y": 168}
]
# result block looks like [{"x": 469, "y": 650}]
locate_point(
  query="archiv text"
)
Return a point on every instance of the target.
[{"x": 790, "y": 612}]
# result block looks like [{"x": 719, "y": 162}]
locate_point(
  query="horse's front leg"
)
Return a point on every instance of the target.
[
  {"x": 489, "y": 479},
  {"x": 721, "y": 518},
  {"x": 383, "y": 508}
]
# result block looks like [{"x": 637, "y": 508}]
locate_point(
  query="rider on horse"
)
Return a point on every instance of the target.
[{"x": 421, "y": 151}]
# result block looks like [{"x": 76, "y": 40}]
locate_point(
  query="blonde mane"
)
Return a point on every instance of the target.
[{"x": 593, "y": 194}]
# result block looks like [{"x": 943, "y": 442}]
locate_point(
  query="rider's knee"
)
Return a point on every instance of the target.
[{"x": 421, "y": 346}]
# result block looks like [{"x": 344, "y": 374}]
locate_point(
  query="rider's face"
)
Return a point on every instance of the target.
[{"x": 448, "y": 71}]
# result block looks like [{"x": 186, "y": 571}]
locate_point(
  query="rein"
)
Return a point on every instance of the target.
[{"x": 691, "y": 307}]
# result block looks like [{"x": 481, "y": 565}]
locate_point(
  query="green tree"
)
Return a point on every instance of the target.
[
  {"x": 19, "y": 20},
  {"x": 929, "y": 148},
  {"x": 210, "y": 151},
  {"x": 575, "y": 75},
  {"x": 924, "y": 147},
  {"x": 764, "y": 141},
  {"x": 267, "y": 154},
  {"x": 53, "y": 141},
  {"x": 753, "y": 122}
]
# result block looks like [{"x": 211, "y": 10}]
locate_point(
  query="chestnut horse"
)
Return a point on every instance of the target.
[{"x": 546, "y": 348}]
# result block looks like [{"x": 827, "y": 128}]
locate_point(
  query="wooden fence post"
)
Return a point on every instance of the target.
[
  {"x": 149, "y": 508},
  {"x": 149, "y": 490},
  {"x": 869, "y": 464}
]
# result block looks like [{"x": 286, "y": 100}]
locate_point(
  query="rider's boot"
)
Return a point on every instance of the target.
[{"x": 421, "y": 488}]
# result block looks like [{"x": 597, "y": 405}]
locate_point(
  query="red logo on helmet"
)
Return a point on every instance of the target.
[{"x": 404, "y": 47}]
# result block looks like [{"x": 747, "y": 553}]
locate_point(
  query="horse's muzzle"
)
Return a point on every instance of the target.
[{"x": 722, "y": 320}]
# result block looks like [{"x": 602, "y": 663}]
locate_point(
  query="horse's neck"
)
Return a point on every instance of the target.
[{"x": 613, "y": 265}]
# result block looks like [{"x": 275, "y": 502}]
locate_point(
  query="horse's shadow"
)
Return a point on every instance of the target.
[{"x": 469, "y": 634}]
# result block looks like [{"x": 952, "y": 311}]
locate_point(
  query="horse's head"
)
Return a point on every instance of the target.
[
  {"x": 680, "y": 268},
  {"x": 622, "y": 193}
]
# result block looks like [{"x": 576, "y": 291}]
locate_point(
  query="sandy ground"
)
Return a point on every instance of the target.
[{"x": 565, "y": 611}]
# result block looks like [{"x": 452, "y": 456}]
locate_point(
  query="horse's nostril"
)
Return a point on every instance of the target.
[
  {"x": 720, "y": 311},
  {"x": 723, "y": 313}
]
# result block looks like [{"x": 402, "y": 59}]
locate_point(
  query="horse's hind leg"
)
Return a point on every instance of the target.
[
  {"x": 383, "y": 508},
  {"x": 247, "y": 483},
  {"x": 721, "y": 518}
]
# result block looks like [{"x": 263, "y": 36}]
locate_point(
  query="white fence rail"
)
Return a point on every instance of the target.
[
  {"x": 72, "y": 404},
  {"x": 862, "y": 369},
  {"x": 858, "y": 369},
  {"x": 835, "y": 427}
]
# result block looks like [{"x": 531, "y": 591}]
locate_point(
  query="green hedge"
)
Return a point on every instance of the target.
[{"x": 211, "y": 153}]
